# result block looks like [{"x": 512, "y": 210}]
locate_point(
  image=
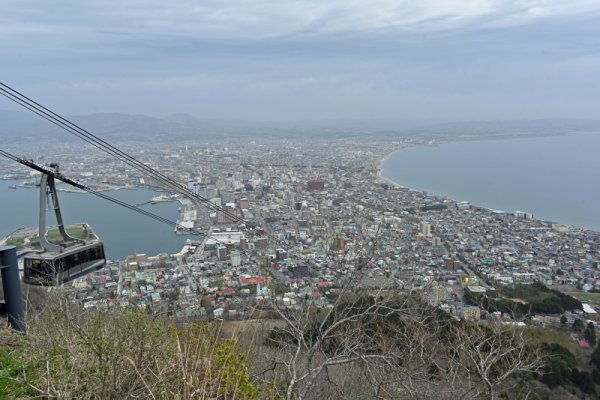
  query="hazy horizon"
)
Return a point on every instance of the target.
[{"x": 10, "y": 107}]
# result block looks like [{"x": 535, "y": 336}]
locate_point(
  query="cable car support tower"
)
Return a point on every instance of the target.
[{"x": 48, "y": 193}]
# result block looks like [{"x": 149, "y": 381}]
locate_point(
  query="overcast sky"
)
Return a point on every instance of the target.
[{"x": 429, "y": 60}]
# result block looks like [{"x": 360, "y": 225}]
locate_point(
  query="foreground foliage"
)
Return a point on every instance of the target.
[
  {"x": 368, "y": 344},
  {"x": 388, "y": 346},
  {"x": 68, "y": 353}
]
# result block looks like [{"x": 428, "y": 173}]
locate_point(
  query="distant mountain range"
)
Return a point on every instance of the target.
[
  {"x": 20, "y": 125},
  {"x": 24, "y": 125}
]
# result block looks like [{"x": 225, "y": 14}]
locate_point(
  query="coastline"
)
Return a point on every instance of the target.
[
  {"x": 380, "y": 167},
  {"x": 123, "y": 231},
  {"x": 445, "y": 141},
  {"x": 457, "y": 139}
]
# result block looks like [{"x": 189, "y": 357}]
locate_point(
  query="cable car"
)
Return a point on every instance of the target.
[
  {"x": 59, "y": 263},
  {"x": 55, "y": 268}
]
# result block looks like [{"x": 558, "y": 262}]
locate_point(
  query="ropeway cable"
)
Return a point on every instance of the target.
[
  {"x": 106, "y": 147},
  {"x": 81, "y": 186},
  {"x": 95, "y": 141},
  {"x": 90, "y": 138},
  {"x": 88, "y": 189}
]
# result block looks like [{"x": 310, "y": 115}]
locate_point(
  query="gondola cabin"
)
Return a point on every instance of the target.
[{"x": 50, "y": 268}]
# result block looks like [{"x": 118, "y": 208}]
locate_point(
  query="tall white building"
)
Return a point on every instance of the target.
[
  {"x": 425, "y": 228},
  {"x": 235, "y": 258}
]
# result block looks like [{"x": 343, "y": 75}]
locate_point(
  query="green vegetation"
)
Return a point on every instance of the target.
[
  {"x": 126, "y": 353},
  {"x": 434, "y": 207},
  {"x": 586, "y": 297},
  {"x": 525, "y": 300},
  {"x": 578, "y": 325},
  {"x": 595, "y": 358},
  {"x": 251, "y": 288},
  {"x": 53, "y": 235},
  {"x": 18, "y": 242},
  {"x": 69, "y": 353},
  {"x": 78, "y": 232},
  {"x": 216, "y": 284},
  {"x": 584, "y": 380},
  {"x": 562, "y": 369},
  {"x": 545, "y": 335},
  {"x": 10, "y": 370}
]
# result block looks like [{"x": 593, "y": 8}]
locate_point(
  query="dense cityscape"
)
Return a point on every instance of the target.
[{"x": 298, "y": 220}]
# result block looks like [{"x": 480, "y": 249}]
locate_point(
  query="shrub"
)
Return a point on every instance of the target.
[{"x": 70, "y": 353}]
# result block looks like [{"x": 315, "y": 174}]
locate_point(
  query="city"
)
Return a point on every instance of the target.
[{"x": 300, "y": 219}]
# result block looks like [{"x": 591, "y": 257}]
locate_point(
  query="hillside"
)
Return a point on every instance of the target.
[{"x": 366, "y": 346}]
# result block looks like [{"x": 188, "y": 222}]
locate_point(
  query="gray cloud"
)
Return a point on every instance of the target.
[
  {"x": 262, "y": 19},
  {"x": 267, "y": 59}
]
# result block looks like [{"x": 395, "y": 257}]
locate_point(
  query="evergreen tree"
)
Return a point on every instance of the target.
[
  {"x": 586, "y": 383},
  {"x": 596, "y": 376},
  {"x": 578, "y": 325},
  {"x": 560, "y": 363},
  {"x": 595, "y": 358},
  {"x": 590, "y": 334}
]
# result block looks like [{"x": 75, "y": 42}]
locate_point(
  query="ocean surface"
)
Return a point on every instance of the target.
[
  {"x": 123, "y": 231},
  {"x": 556, "y": 178}
]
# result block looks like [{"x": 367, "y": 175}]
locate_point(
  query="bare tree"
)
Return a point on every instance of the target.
[
  {"x": 314, "y": 341},
  {"x": 381, "y": 344},
  {"x": 493, "y": 354}
]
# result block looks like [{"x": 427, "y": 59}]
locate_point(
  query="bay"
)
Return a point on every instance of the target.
[
  {"x": 124, "y": 232},
  {"x": 555, "y": 178}
]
